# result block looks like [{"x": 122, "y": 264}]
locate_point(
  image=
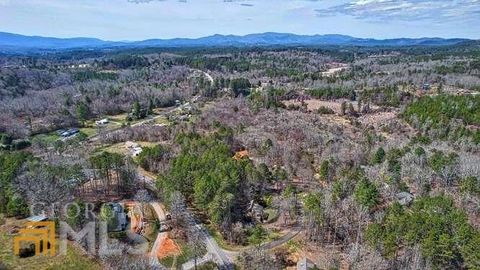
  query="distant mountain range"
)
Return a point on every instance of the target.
[{"x": 9, "y": 41}]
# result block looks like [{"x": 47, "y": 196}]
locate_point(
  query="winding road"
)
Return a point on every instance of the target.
[
  {"x": 223, "y": 258},
  {"x": 214, "y": 253},
  {"x": 220, "y": 256}
]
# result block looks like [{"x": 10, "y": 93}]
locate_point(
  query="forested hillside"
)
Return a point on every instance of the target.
[{"x": 350, "y": 157}]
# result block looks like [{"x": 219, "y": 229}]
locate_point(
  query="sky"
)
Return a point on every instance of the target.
[{"x": 145, "y": 19}]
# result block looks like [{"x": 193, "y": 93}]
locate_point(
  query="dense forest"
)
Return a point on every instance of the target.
[{"x": 359, "y": 158}]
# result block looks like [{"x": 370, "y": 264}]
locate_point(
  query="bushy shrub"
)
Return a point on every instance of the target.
[{"x": 366, "y": 194}]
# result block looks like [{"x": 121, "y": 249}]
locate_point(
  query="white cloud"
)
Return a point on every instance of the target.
[
  {"x": 122, "y": 19},
  {"x": 406, "y": 10}
]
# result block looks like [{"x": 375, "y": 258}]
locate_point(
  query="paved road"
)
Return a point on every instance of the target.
[
  {"x": 282, "y": 240},
  {"x": 226, "y": 257},
  {"x": 160, "y": 212},
  {"x": 209, "y": 77},
  {"x": 162, "y": 114},
  {"x": 191, "y": 264},
  {"x": 219, "y": 255},
  {"x": 214, "y": 252},
  {"x": 223, "y": 261},
  {"x": 223, "y": 258}
]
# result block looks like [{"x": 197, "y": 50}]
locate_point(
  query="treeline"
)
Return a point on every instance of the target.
[
  {"x": 154, "y": 159},
  {"x": 228, "y": 64},
  {"x": 83, "y": 76},
  {"x": 238, "y": 86},
  {"x": 434, "y": 223},
  {"x": 206, "y": 173},
  {"x": 124, "y": 61},
  {"x": 441, "y": 115},
  {"x": 268, "y": 98},
  {"x": 384, "y": 96},
  {"x": 441, "y": 109},
  {"x": 8, "y": 143},
  {"x": 458, "y": 67},
  {"x": 12, "y": 203},
  {"x": 116, "y": 174}
]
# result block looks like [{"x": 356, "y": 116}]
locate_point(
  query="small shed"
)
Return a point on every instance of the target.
[
  {"x": 102, "y": 122},
  {"x": 38, "y": 218}
]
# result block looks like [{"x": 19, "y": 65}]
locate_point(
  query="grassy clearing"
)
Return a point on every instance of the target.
[
  {"x": 123, "y": 119},
  {"x": 120, "y": 118},
  {"x": 162, "y": 121},
  {"x": 120, "y": 148},
  {"x": 89, "y": 131},
  {"x": 47, "y": 137},
  {"x": 272, "y": 215},
  {"x": 272, "y": 236}
]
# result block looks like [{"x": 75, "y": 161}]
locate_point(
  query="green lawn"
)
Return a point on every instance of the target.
[
  {"x": 272, "y": 215},
  {"x": 120, "y": 118},
  {"x": 120, "y": 148},
  {"x": 47, "y": 137},
  {"x": 162, "y": 121},
  {"x": 89, "y": 131}
]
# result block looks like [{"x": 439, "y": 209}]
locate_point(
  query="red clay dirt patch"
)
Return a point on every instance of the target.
[{"x": 168, "y": 248}]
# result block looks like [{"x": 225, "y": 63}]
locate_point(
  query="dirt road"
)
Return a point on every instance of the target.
[{"x": 161, "y": 235}]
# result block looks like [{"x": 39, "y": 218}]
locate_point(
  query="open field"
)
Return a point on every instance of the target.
[
  {"x": 120, "y": 148},
  {"x": 335, "y": 105}
]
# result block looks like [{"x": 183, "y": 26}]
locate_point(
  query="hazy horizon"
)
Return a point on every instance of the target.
[
  {"x": 193, "y": 38},
  {"x": 121, "y": 20}
]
